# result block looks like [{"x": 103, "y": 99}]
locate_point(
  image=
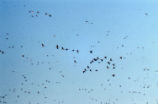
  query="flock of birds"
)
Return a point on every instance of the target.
[
  {"x": 105, "y": 59},
  {"x": 37, "y": 13},
  {"x": 28, "y": 87},
  {"x": 66, "y": 49},
  {"x": 101, "y": 60}
]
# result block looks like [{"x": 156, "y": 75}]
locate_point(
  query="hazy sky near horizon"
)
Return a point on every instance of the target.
[{"x": 34, "y": 71}]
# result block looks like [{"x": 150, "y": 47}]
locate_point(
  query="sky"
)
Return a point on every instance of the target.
[{"x": 46, "y": 48}]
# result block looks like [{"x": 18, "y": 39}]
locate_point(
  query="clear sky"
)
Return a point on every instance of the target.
[{"x": 34, "y": 71}]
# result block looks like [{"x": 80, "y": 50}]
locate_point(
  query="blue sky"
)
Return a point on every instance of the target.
[{"x": 109, "y": 28}]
